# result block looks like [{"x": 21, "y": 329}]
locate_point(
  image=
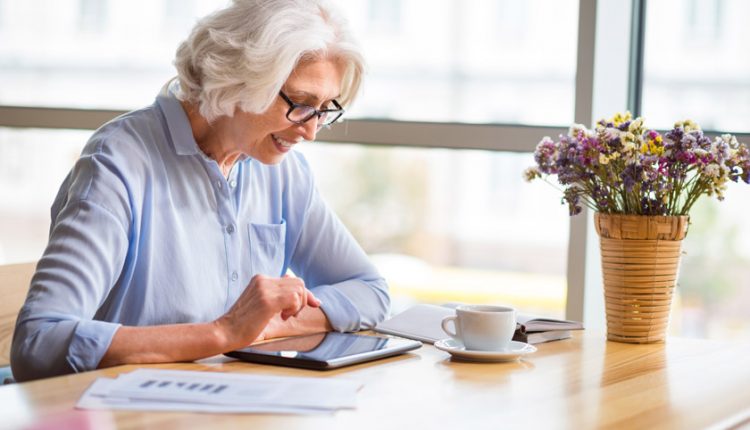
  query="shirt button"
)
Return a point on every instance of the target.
[
  {"x": 232, "y": 183},
  {"x": 235, "y": 276},
  {"x": 230, "y": 229},
  {"x": 218, "y": 184}
]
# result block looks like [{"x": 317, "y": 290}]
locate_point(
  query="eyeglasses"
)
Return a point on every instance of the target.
[{"x": 300, "y": 114}]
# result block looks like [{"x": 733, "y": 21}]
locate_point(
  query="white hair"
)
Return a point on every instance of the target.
[{"x": 241, "y": 56}]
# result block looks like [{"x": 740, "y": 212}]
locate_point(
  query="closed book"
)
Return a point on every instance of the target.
[
  {"x": 538, "y": 329},
  {"x": 423, "y": 322},
  {"x": 541, "y": 336}
]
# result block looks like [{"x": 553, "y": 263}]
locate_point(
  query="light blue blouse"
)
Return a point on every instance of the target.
[{"x": 146, "y": 230}]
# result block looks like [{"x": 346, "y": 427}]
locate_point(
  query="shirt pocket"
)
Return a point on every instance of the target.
[{"x": 267, "y": 248}]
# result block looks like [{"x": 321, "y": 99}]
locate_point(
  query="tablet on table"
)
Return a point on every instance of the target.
[{"x": 324, "y": 350}]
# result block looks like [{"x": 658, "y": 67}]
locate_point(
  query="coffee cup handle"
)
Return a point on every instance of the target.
[{"x": 445, "y": 322}]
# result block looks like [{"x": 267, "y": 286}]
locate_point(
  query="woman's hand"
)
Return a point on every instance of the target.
[{"x": 263, "y": 299}]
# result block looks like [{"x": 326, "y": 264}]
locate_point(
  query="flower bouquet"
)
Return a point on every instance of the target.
[{"x": 642, "y": 185}]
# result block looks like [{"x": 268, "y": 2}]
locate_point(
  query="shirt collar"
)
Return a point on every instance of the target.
[
  {"x": 177, "y": 120},
  {"x": 178, "y": 123}
]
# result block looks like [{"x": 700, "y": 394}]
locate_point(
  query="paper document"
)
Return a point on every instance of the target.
[{"x": 176, "y": 390}]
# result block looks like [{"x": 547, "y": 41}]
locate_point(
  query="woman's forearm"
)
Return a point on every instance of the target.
[
  {"x": 188, "y": 342},
  {"x": 313, "y": 320},
  {"x": 166, "y": 343}
]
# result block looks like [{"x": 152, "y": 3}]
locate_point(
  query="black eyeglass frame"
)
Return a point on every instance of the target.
[{"x": 337, "y": 113}]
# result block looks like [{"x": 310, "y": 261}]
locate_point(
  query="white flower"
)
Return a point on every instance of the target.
[
  {"x": 700, "y": 152},
  {"x": 730, "y": 140},
  {"x": 635, "y": 125},
  {"x": 575, "y": 129},
  {"x": 690, "y": 141},
  {"x": 712, "y": 170},
  {"x": 628, "y": 146}
]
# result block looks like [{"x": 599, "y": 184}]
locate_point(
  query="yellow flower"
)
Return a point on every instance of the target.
[
  {"x": 654, "y": 147},
  {"x": 687, "y": 125},
  {"x": 619, "y": 118},
  {"x": 603, "y": 159}
]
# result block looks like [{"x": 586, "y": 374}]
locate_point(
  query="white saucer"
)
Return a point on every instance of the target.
[{"x": 512, "y": 353}]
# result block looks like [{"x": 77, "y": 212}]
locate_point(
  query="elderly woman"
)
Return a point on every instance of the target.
[{"x": 172, "y": 236}]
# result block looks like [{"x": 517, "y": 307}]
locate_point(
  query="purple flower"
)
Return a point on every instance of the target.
[{"x": 623, "y": 167}]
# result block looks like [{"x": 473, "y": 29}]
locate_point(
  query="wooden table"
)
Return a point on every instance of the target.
[
  {"x": 584, "y": 382},
  {"x": 579, "y": 383}
]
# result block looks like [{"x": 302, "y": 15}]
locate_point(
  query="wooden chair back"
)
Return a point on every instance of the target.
[{"x": 14, "y": 284}]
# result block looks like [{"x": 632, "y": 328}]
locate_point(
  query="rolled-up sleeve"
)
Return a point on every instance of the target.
[
  {"x": 56, "y": 331},
  {"x": 338, "y": 271}
]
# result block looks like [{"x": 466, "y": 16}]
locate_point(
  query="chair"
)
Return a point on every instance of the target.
[{"x": 14, "y": 284}]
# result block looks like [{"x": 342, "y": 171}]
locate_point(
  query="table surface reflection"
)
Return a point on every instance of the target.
[{"x": 583, "y": 382}]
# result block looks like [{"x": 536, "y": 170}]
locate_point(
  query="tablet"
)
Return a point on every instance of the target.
[{"x": 323, "y": 351}]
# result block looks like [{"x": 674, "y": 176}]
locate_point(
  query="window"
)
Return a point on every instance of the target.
[
  {"x": 453, "y": 61},
  {"x": 384, "y": 17},
  {"x": 447, "y": 225},
  {"x": 696, "y": 64},
  {"x": 696, "y": 67},
  {"x": 714, "y": 283},
  {"x": 92, "y": 53},
  {"x": 92, "y": 16},
  {"x": 457, "y": 216},
  {"x": 443, "y": 224}
]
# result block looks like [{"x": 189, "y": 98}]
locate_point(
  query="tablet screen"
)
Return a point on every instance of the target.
[{"x": 324, "y": 350}]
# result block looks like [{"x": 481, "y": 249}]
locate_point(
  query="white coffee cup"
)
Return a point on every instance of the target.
[{"x": 482, "y": 327}]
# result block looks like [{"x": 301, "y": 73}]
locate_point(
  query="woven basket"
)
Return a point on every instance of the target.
[{"x": 640, "y": 261}]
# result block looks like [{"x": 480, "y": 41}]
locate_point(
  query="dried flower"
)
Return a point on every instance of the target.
[{"x": 623, "y": 167}]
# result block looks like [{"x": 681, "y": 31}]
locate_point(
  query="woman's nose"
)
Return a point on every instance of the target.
[{"x": 309, "y": 129}]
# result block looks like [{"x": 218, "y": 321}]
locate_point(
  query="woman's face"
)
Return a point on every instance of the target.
[{"x": 268, "y": 136}]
